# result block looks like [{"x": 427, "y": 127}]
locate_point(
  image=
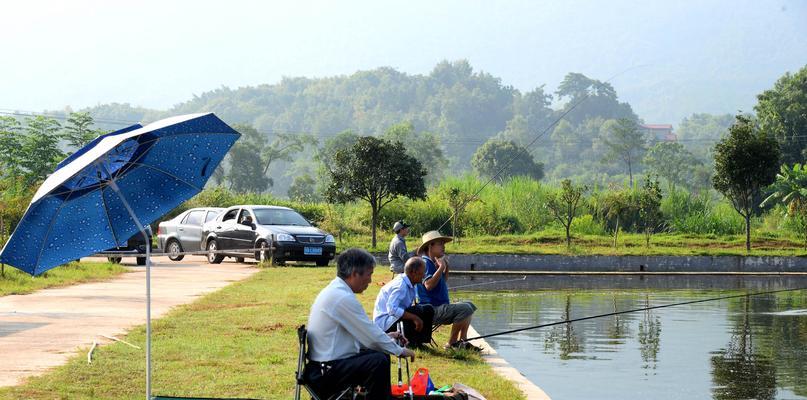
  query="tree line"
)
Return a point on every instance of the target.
[
  {"x": 461, "y": 109},
  {"x": 598, "y": 135}
]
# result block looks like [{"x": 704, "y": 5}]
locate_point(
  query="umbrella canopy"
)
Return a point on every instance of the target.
[{"x": 77, "y": 212}]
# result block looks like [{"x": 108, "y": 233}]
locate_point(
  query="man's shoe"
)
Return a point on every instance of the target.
[{"x": 463, "y": 345}]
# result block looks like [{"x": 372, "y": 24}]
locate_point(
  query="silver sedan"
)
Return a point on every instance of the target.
[{"x": 184, "y": 232}]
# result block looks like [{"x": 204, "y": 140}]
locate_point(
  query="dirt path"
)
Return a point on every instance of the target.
[{"x": 43, "y": 329}]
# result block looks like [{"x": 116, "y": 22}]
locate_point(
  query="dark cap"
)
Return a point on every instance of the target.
[{"x": 399, "y": 225}]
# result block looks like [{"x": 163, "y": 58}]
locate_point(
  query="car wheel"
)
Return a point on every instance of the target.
[
  {"x": 239, "y": 259},
  {"x": 322, "y": 263},
  {"x": 174, "y": 249},
  {"x": 212, "y": 256},
  {"x": 114, "y": 260},
  {"x": 264, "y": 254},
  {"x": 141, "y": 260}
]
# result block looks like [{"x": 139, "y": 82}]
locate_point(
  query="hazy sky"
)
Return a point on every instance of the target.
[{"x": 710, "y": 56}]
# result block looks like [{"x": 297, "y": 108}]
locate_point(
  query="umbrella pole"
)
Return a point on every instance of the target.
[{"x": 147, "y": 238}]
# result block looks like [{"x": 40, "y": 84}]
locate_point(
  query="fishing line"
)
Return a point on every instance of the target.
[
  {"x": 540, "y": 135},
  {"x": 626, "y": 312},
  {"x": 523, "y": 278}
]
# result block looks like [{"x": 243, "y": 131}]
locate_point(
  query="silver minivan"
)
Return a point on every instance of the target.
[{"x": 184, "y": 232}]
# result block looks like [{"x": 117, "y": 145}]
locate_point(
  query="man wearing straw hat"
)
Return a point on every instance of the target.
[{"x": 434, "y": 291}]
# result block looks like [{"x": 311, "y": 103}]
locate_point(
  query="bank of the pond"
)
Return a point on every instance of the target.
[
  {"x": 552, "y": 263},
  {"x": 552, "y": 242},
  {"x": 240, "y": 341}
]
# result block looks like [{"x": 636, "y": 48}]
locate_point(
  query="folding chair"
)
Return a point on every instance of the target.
[{"x": 302, "y": 358}]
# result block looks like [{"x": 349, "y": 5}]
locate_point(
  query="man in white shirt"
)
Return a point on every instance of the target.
[
  {"x": 345, "y": 348},
  {"x": 395, "y": 302}
]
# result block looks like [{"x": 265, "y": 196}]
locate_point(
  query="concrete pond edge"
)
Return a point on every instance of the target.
[{"x": 501, "y": 367}]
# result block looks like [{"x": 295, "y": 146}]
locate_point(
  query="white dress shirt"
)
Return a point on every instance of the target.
[
  {"x": 338, "y": 327},
  {"x": 392, "y": 301}
]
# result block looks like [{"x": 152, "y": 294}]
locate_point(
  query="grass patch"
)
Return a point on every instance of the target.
[
  {"x": 240, "y": 341},
  {"x": 554, "y": 242},
  {"x": 14, "y": 281}
]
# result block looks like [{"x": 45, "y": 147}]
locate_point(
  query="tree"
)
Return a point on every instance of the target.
[
  {"x": 246, "y": 166},
  {"x": 564, "y": 205},
  {"x": 304, "y": 188},
  {"x": 613, "y": 205},
  {"x": 790, "y": 189},
  {"x": 745, "y": 161},
  {"x": 650, "y": 207},
  {"x": 672, "y": 162},
  {"x": 10, "y": 147},
  {"x": 698, "y": 130},
  {"x": 501, "y": 160},
  {"x": 458, "y": 201},
  {"x": 376, "y": 171},
  {"x": 78, "y": 131},
  {"x": 424, "y": 146},
  {"x": 281, "y": 148},
  {"x": 626, "y": 143},
  {"x": 591, "y": 98},
  {"x": 782, "y": 111},
  {"x": 340, "y": 141},
  {"x": 40, "y": 150},
  {"x": 566, "y": 142}
]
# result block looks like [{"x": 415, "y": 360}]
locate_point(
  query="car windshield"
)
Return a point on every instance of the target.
[{"x": 270, "y": 216}]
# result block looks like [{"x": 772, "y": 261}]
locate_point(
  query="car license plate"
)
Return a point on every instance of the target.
[{"x": 312, "y": 251}]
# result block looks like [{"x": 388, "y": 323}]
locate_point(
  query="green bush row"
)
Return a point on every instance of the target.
[{"x": 514, "y": 207}]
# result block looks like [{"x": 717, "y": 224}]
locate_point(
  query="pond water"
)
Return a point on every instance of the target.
[{"x": 743, "y": 348}]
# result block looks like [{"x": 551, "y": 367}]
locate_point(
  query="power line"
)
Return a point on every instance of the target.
[
  {"x": 122, "y": 122},
  {"x": 526, "y": 148}
]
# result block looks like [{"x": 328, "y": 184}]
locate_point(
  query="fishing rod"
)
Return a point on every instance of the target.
[
  {"x": 567, "y": 321},
  {"x": 523, "y": 278},
  {"x": 539, "y": 136}
]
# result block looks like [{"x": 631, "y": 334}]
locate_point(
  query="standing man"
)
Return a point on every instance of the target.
[
  {"x": 397, "y": 248},
  {"x": 395, "y": 302},
  {"x": 434, "y": 291},
  {"x": 338, "y": 330}
]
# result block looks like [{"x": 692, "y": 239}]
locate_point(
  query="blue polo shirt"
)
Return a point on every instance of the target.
[{"x": 437, "y": 296}]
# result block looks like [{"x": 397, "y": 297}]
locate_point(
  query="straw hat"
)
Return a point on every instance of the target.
[{"x": 429, "y": 237}]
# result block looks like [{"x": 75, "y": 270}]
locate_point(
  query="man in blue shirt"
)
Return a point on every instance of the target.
[
  {"x": 434, "y": 291},
  {"x": 395, "y": 302}
]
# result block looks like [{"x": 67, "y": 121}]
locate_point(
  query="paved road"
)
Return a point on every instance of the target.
[{"x": 43, "y": 329}]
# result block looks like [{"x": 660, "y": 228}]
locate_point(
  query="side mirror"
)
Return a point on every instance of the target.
[{"x": 251, "y": 225}]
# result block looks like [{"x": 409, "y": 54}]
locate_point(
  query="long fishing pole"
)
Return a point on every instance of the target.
[
  {"x": 539, "y": 136},
  {"x": 567, "y": 321},
  {"x": 523, "y": 278}
]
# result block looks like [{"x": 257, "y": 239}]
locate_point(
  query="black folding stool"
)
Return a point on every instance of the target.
[{"x": 348, "y": 393}]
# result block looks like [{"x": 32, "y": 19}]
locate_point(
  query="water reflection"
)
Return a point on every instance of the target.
[
  {"x": 739, "y": 371},
  {"x": 562, "y": 337},
  {"x": 730, "y": 349},
  {"x": 649, "y": 336}
]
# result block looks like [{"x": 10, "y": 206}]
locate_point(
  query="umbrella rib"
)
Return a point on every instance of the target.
[
  {"x": 169, "y": 174},
  {"x": 108, "y": 220},
  {"x": 50, "y": 228}
]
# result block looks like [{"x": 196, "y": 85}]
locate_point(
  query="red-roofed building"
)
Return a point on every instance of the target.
[{"x": 660, "y": 132}]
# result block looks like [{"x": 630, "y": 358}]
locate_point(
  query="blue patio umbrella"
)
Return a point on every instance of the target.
[{"x": 114, "y": 186}]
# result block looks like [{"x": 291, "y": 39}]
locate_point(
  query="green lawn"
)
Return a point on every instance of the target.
[
  {"x": 14, "y": 281},
  {"x": 240, "y": 341},
  {"x": 554, "y": 242}
]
